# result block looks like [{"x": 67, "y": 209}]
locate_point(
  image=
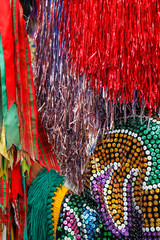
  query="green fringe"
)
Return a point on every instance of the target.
[{"x": 40, "y": 190}]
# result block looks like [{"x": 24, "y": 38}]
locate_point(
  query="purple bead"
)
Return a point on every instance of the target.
[
  {"x": 130, "y": 224},
  {"x": 103, "y": 181},
  {"x": 129, "y": 209},
  {"x": 107, "y": 223},
  {"x": 71, "y": 216},
  {"x": 126, "y": 234},
  {"x": 110, "y": 227},
  {"x": 130, "y": 214},
  {"x": 95, "y": 190},
  {"x": 117, "y": 233},
  {"x": 102, "y": 210}
]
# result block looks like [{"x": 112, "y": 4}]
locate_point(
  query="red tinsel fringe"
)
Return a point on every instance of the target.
[{"x": 117, "y": 45}]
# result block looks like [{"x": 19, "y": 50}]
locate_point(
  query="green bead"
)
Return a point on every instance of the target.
[
  {"x": 153, "y": 154},
  {"x": 153, "y": 182},
  {"x": 157, "y": 150},
  {"x": 149, "y": 136},
  {"x": 143, "y": 137},
  {"x": 100, "y": 225},
  {"x": 145, "y": 132},
  {"x": 150, "y": 178},
  {"x": 146, "y": 142},
  {"x": 152, "y": 141},
  {"x": 59, "y": 228},
  {"x": 152, "y": 174},
  {"x": 155, "y": 136},
  {"x": 155, "y": 177},
  {"x": 155, "y": 146},
  {"x": 149, "y": 146},
  {"x": 158, "y": 132},
  {"x": 153, "y": 169},
  {"x": 157, "y": 181},
  {"x": 154, "y": 159},
  {"x": 157, "y": 171}
]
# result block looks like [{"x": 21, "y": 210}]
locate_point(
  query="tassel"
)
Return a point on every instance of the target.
[{"x": 38, "y": 194}]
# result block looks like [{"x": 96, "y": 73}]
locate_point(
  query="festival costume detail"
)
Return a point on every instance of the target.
[
  {"x": 54, "y": 212},
  {"x": 96, "y": 70},
  {"x": 22, "y": 138},
  {"x": 95, "y": 61},
  {"x": 124, "y": 180}
]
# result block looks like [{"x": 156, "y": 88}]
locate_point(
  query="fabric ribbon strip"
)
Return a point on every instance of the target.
[
  {"x": 6, "y": 31},
  {"x": 10, "y": 116}
]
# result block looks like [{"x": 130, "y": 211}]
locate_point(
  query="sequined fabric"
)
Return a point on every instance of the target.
[
  {"x": 79, "y": 220},
  {"x": 124, "y": 179}
]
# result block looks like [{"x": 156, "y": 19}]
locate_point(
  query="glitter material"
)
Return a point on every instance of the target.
[{"x": 128, "y": 191}]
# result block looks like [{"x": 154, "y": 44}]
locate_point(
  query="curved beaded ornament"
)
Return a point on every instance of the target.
[
  {"x": 124, "y": 179},
  {"x": 78, "y": 219}
]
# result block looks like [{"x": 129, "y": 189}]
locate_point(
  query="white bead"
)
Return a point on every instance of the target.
[{"x": 147, "y": 152}]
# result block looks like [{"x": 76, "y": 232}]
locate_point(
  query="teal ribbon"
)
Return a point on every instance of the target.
[
  {"x": 10, "y": 116},
  {"x": 25, "y": 206}
]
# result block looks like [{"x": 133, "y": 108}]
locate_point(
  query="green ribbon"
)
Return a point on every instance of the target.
[
  {"x": 25, "y": 206},
  {"x": 1, "y": 111},
  {"x": 10, "y": 116}
]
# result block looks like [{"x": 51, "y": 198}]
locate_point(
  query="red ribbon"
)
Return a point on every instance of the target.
[{"x": 8, "y": 49}]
